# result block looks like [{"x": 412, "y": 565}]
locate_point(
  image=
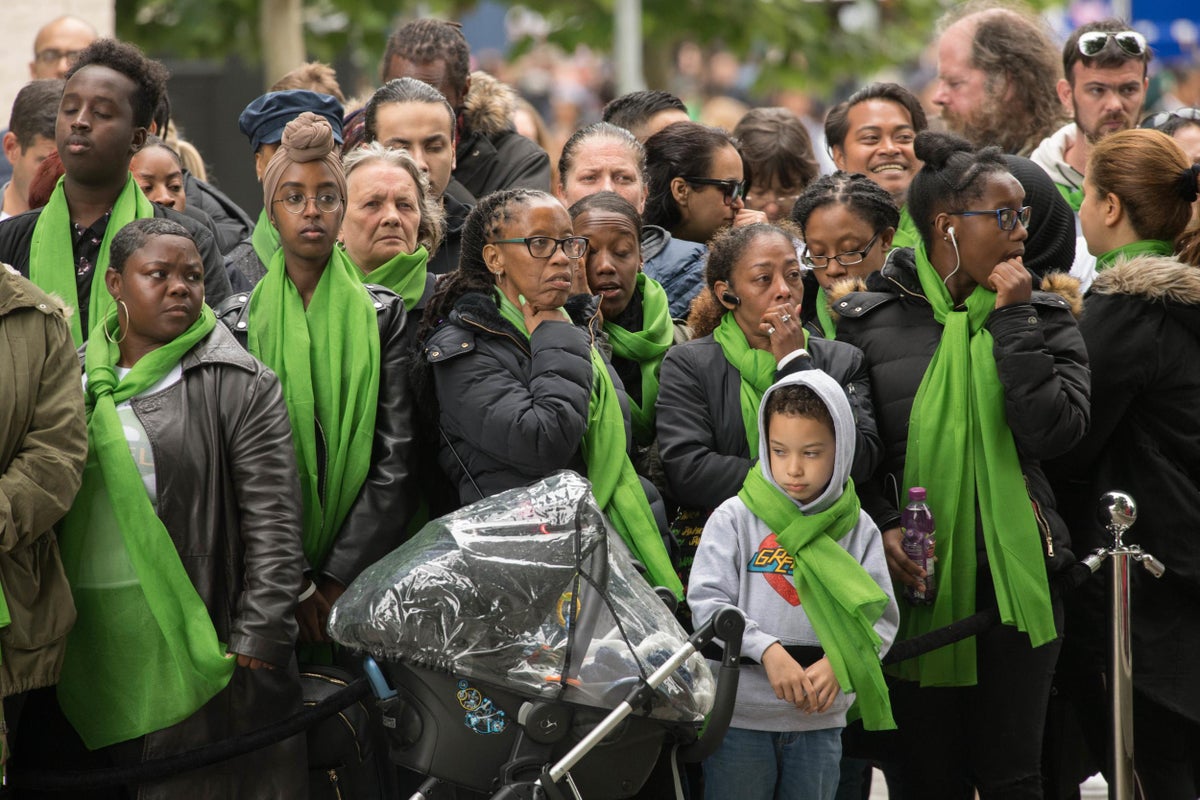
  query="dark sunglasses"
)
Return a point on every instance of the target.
[
  {"x": 1156, "y": 121},
  {"x": 1006, "y": 218},
  {"x": 731, "y": 191},
  {"x": 1093, "y": 42}
]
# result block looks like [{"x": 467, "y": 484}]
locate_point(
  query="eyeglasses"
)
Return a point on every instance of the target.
[
  {"x": 1156, "y": 121},
  {"x": 296, "y": 203},
  {"x": 846, "y": 259},
  {"x": 1006, "y": 218},
  {"x": 762, "y": 197},
  {"x": 732, "y": 191},
  {"x": 52, "y": 56},
  {"x": 1093, "y": 42},
  {"x": 544, "y": 246}
]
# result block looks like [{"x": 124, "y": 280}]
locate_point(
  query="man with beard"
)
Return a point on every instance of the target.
[
  {"x": 1105, "y": 64},
  {"x": 997, "y": 70}
]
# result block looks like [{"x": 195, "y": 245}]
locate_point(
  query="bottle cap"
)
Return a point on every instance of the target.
[{"x": 916, "y": 493}]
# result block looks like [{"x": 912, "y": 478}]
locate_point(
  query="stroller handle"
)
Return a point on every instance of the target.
[{"x": 728, "y": 624}]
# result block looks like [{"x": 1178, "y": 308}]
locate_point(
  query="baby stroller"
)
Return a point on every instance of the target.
[{"x": 521, "y": 654}]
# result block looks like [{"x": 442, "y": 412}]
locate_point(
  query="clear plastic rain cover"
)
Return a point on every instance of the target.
[{"x": 521, "y": 589}]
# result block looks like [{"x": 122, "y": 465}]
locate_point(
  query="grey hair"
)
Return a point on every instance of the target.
[{"x": 432, "y": 227}]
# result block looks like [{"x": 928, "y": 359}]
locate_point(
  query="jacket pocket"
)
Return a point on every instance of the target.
[{"x": 38, "y": 595}]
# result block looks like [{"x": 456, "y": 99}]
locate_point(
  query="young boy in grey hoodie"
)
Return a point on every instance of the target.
[{"x": 806, "y": 566}]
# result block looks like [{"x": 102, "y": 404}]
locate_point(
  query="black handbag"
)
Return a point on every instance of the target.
[{"x": 341, "y": 752}]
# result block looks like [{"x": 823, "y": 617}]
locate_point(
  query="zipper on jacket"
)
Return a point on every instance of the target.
[
  {"x": 333, "y": 781},
  {"x": 1042, "y": 523},
  {"x": 505, "y": 334}
]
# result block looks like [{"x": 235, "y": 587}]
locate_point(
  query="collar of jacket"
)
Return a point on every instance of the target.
[
  {"x": 480, "y": 311},
  {"x": 16, "y": 293},
  {"x": 1153, "y": 278}
]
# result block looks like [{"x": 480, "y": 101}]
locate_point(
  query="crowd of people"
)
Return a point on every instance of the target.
[{"x": 214, "y": 421}]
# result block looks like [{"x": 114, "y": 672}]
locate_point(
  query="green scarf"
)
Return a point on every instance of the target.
[
  {"x": 647, "y": 347},
  {"x": 1159, "y": 247},
  {"x": 756, "y": 368},
  {"x": 906, "y": 233},
  {"x": 824, "y": 316},
  {"x": 52, "y": 253},
  {"x": 841, "y": 599},
  {"x": 327, "y": 358},
  {"x": 615, "y": 483},
  {"x": 1074, "y": 197},
  {"x": 404, "y": 274},
  {"x": 265, "y": 239},
  {"x": 143, "y": 654},
  {"x": 961, "y": 449}
]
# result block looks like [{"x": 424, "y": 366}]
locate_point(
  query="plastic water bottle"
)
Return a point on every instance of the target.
[{"x": 919, "y": 541}]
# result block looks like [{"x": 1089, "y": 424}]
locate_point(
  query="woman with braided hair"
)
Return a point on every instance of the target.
[
  {"x": 339, "y": 349},
  {"x": 522, "y": 390},
  {"x": 848, "y": 222},
  {"x": 1141, "y": 323},
  {"x": 976, "y": 378}
]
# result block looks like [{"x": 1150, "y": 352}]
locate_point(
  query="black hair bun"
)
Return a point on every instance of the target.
[{"x": 936, "y": 148}]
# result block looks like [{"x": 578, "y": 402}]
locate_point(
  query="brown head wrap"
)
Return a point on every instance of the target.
[{"x": 306, "y": 138}]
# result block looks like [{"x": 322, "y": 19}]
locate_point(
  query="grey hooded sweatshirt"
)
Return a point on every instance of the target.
[{"x": 740, "y": 563}]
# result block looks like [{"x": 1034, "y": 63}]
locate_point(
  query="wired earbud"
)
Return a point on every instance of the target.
[
  {"x": 957, "y": 257},
  {"x": 731, "y": 298}
]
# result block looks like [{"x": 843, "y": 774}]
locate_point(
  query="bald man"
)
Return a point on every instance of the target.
[{"x": 56, "y": 45}]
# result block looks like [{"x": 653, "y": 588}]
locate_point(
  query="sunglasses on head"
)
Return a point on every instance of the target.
[
  {"x": 1156, "y": 121},
  {"x": 1093, "y": 43}
]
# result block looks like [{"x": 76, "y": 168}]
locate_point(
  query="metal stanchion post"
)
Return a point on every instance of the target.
[{"x": 1117, "y": 513}]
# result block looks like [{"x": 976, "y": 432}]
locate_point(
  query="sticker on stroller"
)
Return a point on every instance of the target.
[
  {"x": 482, "y": 715},
  {"x": 567, "y": 603}
]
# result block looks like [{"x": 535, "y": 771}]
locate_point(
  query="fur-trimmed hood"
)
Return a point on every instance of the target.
[
  {"x": 489, "y": 106},
  {"x": 1156, "y": 278},
  {"x": 899, "y": 272}
]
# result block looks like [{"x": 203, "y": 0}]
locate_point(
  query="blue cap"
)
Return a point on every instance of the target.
[{"x": 264, "y": 119}]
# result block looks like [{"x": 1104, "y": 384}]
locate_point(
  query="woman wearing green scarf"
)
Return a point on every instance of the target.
[
  {"x": 748, "y": 334},
  {"x": 392, "y": 227},
  {"x": 847, "y": 222},
  {"x": 1140, "y": 325},
  {"x": 183, "y": 545},
  {"x": 977, "y": 378},
  {"x": 521, "y": 389},
  {"x": 339, "y": 350},
  {"x": 637, "y": 320}
]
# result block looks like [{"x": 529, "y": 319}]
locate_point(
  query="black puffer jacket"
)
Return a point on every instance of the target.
[
  {"x": 378, "y": 520},
  {"x": 1040, "y": 357},
  {"x": 701, "y": 436},
  {"x": 1141, "y": 323},
  {"x": 491, "y": 155}
]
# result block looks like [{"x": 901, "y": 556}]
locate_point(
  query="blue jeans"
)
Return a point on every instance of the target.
[{"x": 773, "y": 765}]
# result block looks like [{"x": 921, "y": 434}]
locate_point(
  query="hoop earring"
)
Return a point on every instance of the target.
[{"x": 121, "y": 338}]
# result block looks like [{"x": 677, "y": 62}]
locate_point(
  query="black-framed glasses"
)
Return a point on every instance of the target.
[
  {"x": 544, "y": 246},
  {"x": 1093, "y": 42},
  {"x": 1006, "y": 218},
  {"x": 52, "y": 56},
  {"x": 1157, "y": 121},
  {"x": 731, "y": 191},
  {"x": 295, "y": 203},
  {"x": 846, "y": 259}
]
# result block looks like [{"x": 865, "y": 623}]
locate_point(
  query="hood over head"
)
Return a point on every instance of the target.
[{"x": 834, "y": 397}]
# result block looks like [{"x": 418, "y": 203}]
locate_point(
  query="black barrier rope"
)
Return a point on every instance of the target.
[
  {"x": 358, "y": 689},
  {"x": 46, "y": 780}
]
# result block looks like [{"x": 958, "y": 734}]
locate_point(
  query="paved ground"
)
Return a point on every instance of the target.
[{"x": 1094, "y": 789}]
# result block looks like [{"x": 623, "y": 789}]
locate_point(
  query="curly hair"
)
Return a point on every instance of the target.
[
  {"x": 725, "y": 250},
  {"x": 425, "y": 40},
  {"x": 1010, "y": 44},
  {"x": 599, "y": 130},
  {"x": 683, "y": 148},
  {"x": 484, "y": 222},
  {"x": 952, "y": 176},
  {"x": 863, "y": 196},
  {"x": 133, "y": 237},
  {"x": 775, "y": 144},
  {"x": 149, "y": 76},
  {"x": 797, "y": 401},
  {"x": 432, "y": 226}
]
